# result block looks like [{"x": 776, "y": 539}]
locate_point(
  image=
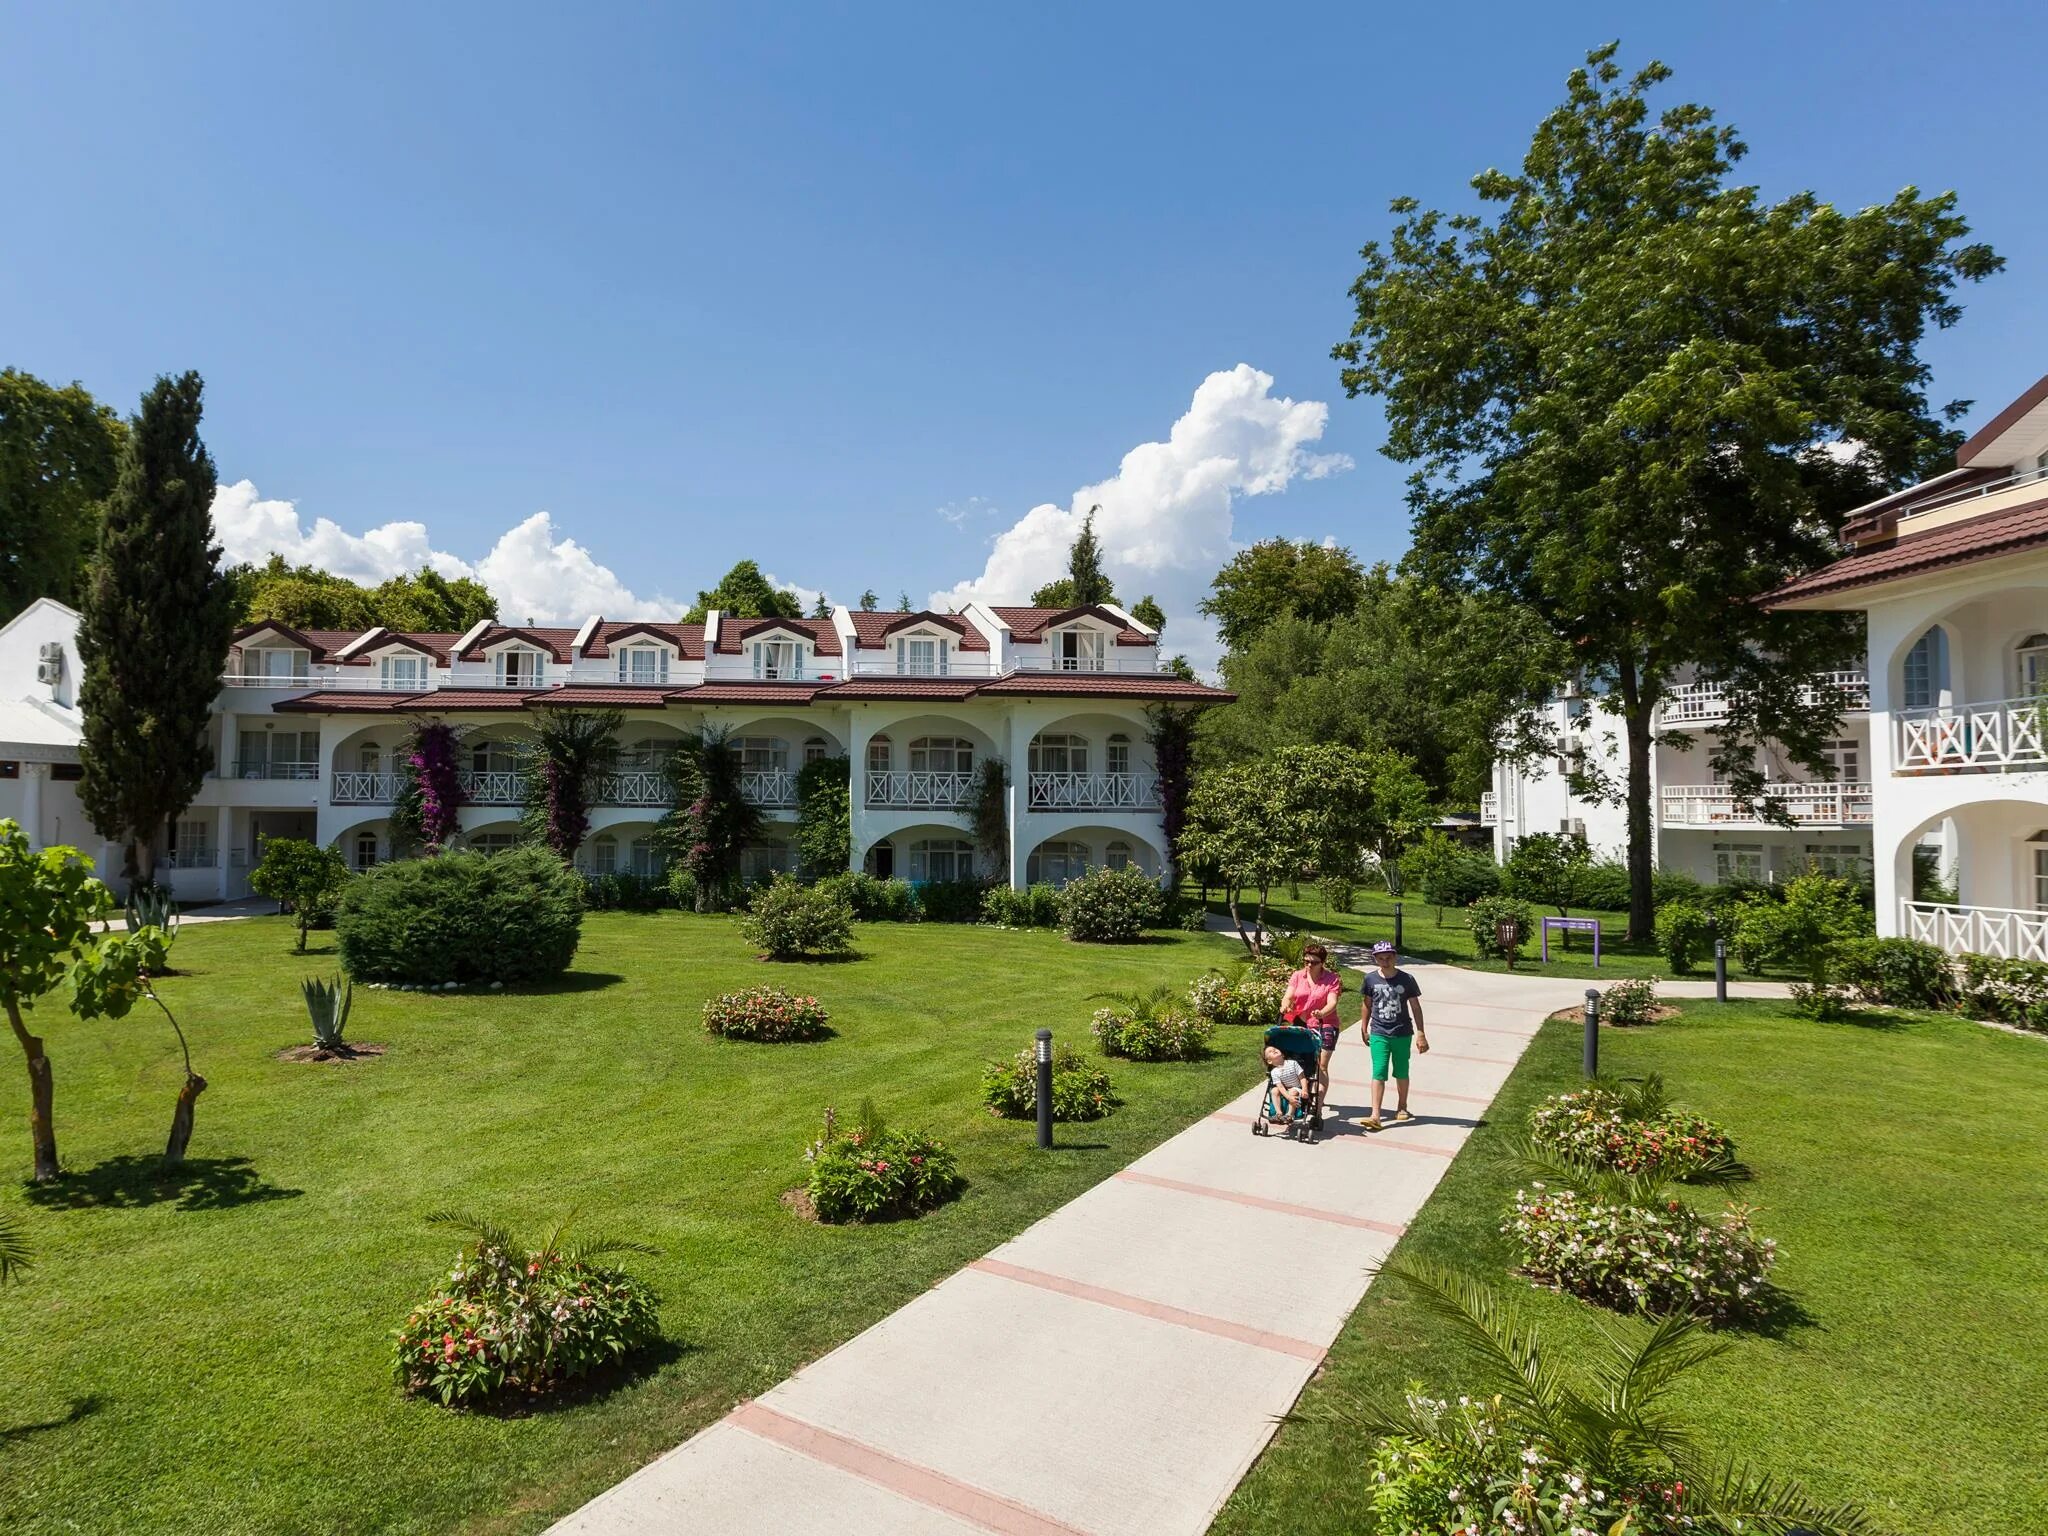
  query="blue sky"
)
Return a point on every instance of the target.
[{"x": 851, "y": 289}]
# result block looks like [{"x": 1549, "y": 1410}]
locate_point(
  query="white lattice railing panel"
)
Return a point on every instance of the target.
[
  {"x": 2012, "y": 733},
  {"x": 2004, "y": 932},
  {"x": 1489, "y": 809},
  {"x": 1693, "y": 703},
  {"x": 635, "y": 787},
  {"x": 913, "y": 790},
  {"x": 771, "y": 787},
  {"x": 1809, "y": 805},
  {"x": 495, "y": 786},
  {"x": 353, "y": 788},
  {"x": 1094, "y": 792}
]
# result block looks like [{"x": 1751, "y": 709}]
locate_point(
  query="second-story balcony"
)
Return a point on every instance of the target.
[
  {"x": 913, "y": 790},
  {"x": 1489, "y": 809},
  {"x": 2010, "y": 735},
  {"x": 274, "y": 768},
  {"x": 1704, "y": 703},
  {"x": 1808, "y": 804},
  {"x": 1093, "y": 792},
  {"x": 505, "y": 787}
]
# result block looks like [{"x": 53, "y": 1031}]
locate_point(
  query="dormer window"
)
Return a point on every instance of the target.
[
  {"x": 275, "y": 662},
  {"x": 517, "y": 668},
  {"x": 403, "y": 674},
  {"x": 643, "y": 664},
  {"x": 1077, "y": 650},
  {"x": 920, "y": 656},
  {"x": 778, "y": 660}
]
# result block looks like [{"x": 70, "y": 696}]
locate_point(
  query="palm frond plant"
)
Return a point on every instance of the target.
[
  {"x": 14, "y": 1254},
  {"x": 713, "y": 821},
  {"x": 1528, "y": 1446},
  {"x": 572, "y": 753}
]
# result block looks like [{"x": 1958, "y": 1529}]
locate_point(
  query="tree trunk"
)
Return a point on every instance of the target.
[
  {"x": 42, "y": 1112},
  {"x": 181, "y": 1119},
  {"x": 1642, "y": 907},
  {"x": 143, "y": 855},
  {"x": 1237, "y": 922}
]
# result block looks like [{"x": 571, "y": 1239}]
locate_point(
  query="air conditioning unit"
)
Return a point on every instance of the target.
[{"x": 50, "y": 663}]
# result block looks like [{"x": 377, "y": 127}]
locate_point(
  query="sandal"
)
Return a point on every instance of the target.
[
  {"x": 1402, "y": 1117},
  {"x": 1371, "y": 1123}
]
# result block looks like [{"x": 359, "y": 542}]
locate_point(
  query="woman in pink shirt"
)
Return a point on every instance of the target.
[{"x": 1311, "y": 1002}]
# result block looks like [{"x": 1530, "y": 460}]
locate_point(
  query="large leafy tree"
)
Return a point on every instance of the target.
[
  {"x": 744, "y": 593},
  {"x": 59, "y": 452},
  {"x": 428, "y": 601},
  {"x": 1443, "y": 676},
  {"x": 156, "y": 619},
  {"x": 1086, "y": 582},
  {"x": 1626, "y": 392},
  {"x": 306, "y": 597},
  {"x": 1278, "y": 579}
]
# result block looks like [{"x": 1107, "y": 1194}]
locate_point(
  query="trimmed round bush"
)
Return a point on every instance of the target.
[
  {"x": 508, "y": 1319},
  {"x": 1108, "y": 906},
  {"x": 872, "y": 900},
  {"x": 1036, "y": 907},
  {"x": 875, "y": 1174},
  {"x": 1899, "y": 973},
  {"x": 1484, "y": 919},
  {"x": 768, "y": 1014},
  {"x": 950, "y": 901},
  {"x": 789, "y": 919},
  {"x": 1602, "y": 886},
  {"x": 1685, "y": 933},
  {"x": 1630, "y": 1003},
  {"x": 1654, "y": 1259},
  {"x": 1152, "y": 1032},
  {"x": 1080, "y": 1089},
  {"x": 467, "y": 917}
]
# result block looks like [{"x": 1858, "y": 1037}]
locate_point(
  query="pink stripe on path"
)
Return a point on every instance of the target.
[
  {"x": 1488, "y": 1029},
  {"x": 1398, "y": 1146},
  {"x": 1201, "y": 1322},
  {"x": 1261, "y": 1203},
  {"x": 1492, "y": 1061},
  {"x": 921, "y": 1485}
]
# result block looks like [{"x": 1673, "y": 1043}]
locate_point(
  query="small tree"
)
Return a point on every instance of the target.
[
  {"x": 744, "y": 593},
  {"x": 868, "y": 601},
  {"x": 1170, "y": 730},
  {"x": 573, "y": 752},
  {"x": 1547, "y": 867},
  {"x": 824, "y": 815},
  {"x": 302, "y": 875},
  {"x": 991, "y": 814},
  {"x": 1085, "y": 582},
  {"x": 713, "y": 822}
]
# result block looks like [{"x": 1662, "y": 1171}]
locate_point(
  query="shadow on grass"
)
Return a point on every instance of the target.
[
  {"x": 594, "y": 1388},
  {"x": 844, "y": 957},
  {"x": 130, "y": 1182},
  {"x": 825, "y": 1032},
  {"x": 569, "y": 981},
  {"x": 81, "y": 1408},
  {"x": 1778, "y": 1315}
]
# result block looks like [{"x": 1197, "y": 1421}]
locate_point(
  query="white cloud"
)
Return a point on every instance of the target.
[
  {"x": 807, "y": 596},
  {"x": 1166, "y": 514},
  {"x": 534, "y": 574}
]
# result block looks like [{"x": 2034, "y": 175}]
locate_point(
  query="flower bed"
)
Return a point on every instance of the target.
[
  {"x": 1654, "y": 1259},
  {"x": 1080, "y": 1089},
  {"x": 1253, "y": 997},
  {"x": 875, "y": 1174},
  {"x": 767, "y": 1014},
  {"x": 1593, "y": 1124},
  {"x": 1166, "y": 1033},
  {"x": 508, "y": 1320}
]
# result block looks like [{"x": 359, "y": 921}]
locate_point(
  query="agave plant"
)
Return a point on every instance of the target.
[
  {"x": 327, "y": 1004},
  {"x": 1612, "y": 1433},
  {"x": 151, "y": 906}
]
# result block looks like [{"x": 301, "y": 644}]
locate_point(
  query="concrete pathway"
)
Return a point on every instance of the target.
[{"x": 1115, "y": 1369}]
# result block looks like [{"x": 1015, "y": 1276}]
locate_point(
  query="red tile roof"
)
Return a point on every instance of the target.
[
  {"x": 351, "y": 702},
  {"x": 604, "y": 696},
  {"x": 872, "y": 630},
  {"x": 732, "y": 632},
  {"x": 1959, "y": 543},
  {"x": 476, "y": 698},
  {"x": 907, "y": 688},
  {"x": 556, "y": 642},
  {"x": 1106, "y": 685},
  {"x": 434, "y": 644},
  {"x": 1028, "y": 625},
  {"x": 321, "y": 642},
  {"x": 749, "y": 693},
  {"x": 687, "y": 638}
]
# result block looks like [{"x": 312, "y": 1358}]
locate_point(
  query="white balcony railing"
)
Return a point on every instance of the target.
[
  {"x": 961, "y": 664},
  {"x": 352, "y": 787},
  {"x": 188, "y": 858},
  {"x": 1809, "y": 805},
  {"x": 914, "y": 790},
  {"x": 635, "y": 787},
  {"x": 772, "y": 788},
  {"x": 1094, "y": 792},
  {"x": 495, "y": 786},
  {"x": 2008, "y": 734},
  {"x": 1696, "y": 703},
  {"x": 1489, "y": 809},
  {"x": 331, "y": 679},
  {"x": 256, "y": 769},
  {"x": 2005, "y": 932}
]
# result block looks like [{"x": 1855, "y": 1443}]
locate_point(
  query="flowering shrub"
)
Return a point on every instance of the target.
[
  {"x": 511, "y": 1318},
  {"x": 1108, "y": 906},
  {"x": 1904, "y": 973},
  {"x": 1631, "y": 1002},
  {"x": 1080, "y": 1089},
  {"x": 430, "y": 795},
  {"x": 875, "y": 1174},
  {"x": 1254, "y": 997},
  {"x": 789, "y": 919},
  {"x": 1484, "y": 918},
  {"x": 2010, "y": 991},
  {"x": 1596, "y": 1126},
  {"x": 1147, "y": 1029},
  {"x": 1657, "y": 1258},
  {"x": 767, "y": 1014}
]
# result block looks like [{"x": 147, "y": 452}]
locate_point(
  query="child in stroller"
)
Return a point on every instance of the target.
[{"x": 1294, "y": 1094}]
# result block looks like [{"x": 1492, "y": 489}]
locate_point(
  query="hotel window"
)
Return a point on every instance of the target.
[
  {"x": 493, "y": 842},
  {"x": 762, "y": 754},
  {"x": 1056, "y": 863},
  {"x": 881, "y": 754},
  {"x": 604, "y": 855},
  {"x": 518, "y": 669},
  {"x": 1846, "y": 758},
  {"x": 366, "y": 850},
  {"x": 66, "y": 773},
  {"x": 369, "y": 757},
  {"x": 918, "y": 656},
  {"x": 941, "y": 754},
  {"x": 275, "y": 662},
  {"x": 816, "y": 750},
  {"x": 1117, "y": 754},
  {"x": 1926, "y": 671},
  {"x": 1078, "y": 650},
  {"x": 2040, "y": 879},
  {"x": 778, "y": 660},
  {"x": 191, "y": 843},
  {"x": 1058, "y": 753},
  {"x": 942, "y": 858},
  {"x": 494, "y": 757},
  {"x": 406, "y": 674},
  {"x": 1743, "y": 862},
  {"x": 646, "y": 664},
  {"x": 1117, "y": 855},
  {"x": 758, "y": 861},
  {"x": 2032, "y": 658}
]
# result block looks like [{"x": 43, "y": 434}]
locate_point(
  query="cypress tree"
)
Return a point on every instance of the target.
[
  {"x": 157, "y": 614},
  {"x": 1085, "y": 583}
]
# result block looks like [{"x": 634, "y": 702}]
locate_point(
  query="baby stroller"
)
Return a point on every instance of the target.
[{"x": 1305, "y": 1047}]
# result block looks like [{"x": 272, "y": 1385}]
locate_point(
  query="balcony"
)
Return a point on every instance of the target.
[
  {"x": 772, "y": 789},
  {"x": 1093, "y": 792},
  {"x": 1809, "y": 805},
  {"x": 920, "y": 791},
  {"x": 1703, "y": 703},
  {"x": 331, "y": 679},
  {"x": 2005, "y": 932},
  {"x": 501, "y": 787},
  {"x": 636, "y": 786},
  {"x": 260, "y": 768},
  {"x": 1489, "y": 809},
  {"x": 2001, "y": 737}
]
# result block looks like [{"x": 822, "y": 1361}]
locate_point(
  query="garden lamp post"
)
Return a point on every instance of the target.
[{"x": 1044, "y": 1090}]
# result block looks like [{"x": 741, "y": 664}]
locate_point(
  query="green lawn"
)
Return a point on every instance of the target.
[
  {"x": 213, "y": 1355},
  {"x": 1903, "y": 1166}
]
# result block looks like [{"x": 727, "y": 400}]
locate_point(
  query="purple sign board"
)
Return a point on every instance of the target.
[{"x": 1572, "y": 925}]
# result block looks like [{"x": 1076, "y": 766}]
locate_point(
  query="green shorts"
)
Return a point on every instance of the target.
[{"x": 1389, "y": 1050}]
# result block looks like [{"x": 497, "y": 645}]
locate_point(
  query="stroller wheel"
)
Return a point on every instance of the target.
[{"x": 1259, "y": 1126}]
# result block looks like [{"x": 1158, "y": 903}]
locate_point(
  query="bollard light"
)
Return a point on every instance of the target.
[
  {"x": 1044, "y": 1090},
  {"x": 1720, "y": 970},
  {"x": 1592, "y": 1059}
]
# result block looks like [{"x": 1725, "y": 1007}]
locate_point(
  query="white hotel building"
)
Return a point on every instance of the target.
[
  {"x": 307, "y": 728},
  {"x": 1944, "y": 742}
]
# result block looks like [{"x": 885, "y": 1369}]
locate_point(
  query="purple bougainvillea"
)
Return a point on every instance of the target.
[{"x": 433, "y": 763}]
